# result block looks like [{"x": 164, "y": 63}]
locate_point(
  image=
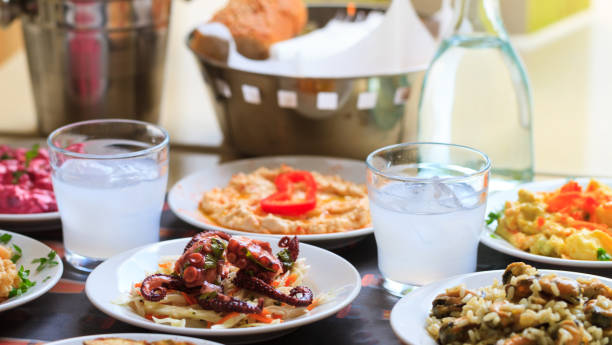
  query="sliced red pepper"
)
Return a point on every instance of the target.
[
  {"x": 282, "y": 201},
  {"x": 571, "y": 186}
]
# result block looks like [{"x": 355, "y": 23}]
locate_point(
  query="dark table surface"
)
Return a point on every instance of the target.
[{"x": 66, "y": 312}]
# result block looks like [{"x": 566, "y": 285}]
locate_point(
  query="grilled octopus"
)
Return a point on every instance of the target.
[{"x": 206, "y": 260}]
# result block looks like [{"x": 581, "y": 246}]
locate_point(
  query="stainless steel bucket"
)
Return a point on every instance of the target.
[
  {"x": 265, "y": 114},
  {"x": 92, "y": 59}
]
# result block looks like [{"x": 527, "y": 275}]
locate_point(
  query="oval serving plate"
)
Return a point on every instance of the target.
[
  {"x": 409, "y": 314},
  {"x": 112, "y": 279},
  {"x": 496, "y": 202},
  {"x": 185, "y": 195},
  {"x": 45, "y": 279}
]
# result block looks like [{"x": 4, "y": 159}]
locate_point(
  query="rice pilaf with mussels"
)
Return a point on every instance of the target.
[{"x": 526, "y": 308}]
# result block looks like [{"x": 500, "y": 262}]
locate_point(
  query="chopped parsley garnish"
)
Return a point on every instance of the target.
[
  {"x": 5, "y": 238},
  {"x": 493, "y": 217},
  {"x": 17, "y": 255},
  {"x": 494, "y": 236},
  {"x": 17, "y": 175},
  {"x": 31, "y": 154},
  {"x": 208, "y": 295},
  {"x": 217, "y": 247},
  {"x": 24, "y": 285},
  {"x": 46, "y": 278},
  {"x": 602, "y": 255},
  {"x": 210, "y": 261},
  {"x": 251, "y": 257},
  {"x": 5, "y": 156},
  {"x": 285, "y": 257},
  {"x": 43, "y": 262}
]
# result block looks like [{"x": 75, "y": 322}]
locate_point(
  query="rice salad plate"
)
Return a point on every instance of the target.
[
  {"x": 493, "y": 307},
  {"x": 111, "y": 288},
  {"x": 185, "y": 196},
  {"x": 496, "y": 203}
]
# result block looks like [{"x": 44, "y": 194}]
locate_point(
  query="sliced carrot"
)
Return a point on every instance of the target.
[
  {"x": 165, "y": 265},
  {"x": 571, "y": 186},
  {"x": 189, "y": 299},
  {"x": 275, "y": 283},
  {"x": 562, "y": 201},
  {"x": 588, "y": 225},
  {"x": 227, "y": 317},
  {"x": 150, "y": 316},
  {"x": 261, "y": 318},
  {"x": 291, "y": 279},
  {"x": 138, "y": 285},
  {"x": 313, "y": 305},
  {"x": 276, "y": 316}
]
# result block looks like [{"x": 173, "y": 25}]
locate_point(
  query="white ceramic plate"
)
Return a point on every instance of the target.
[
  {"x": 409, "y": 314},
  {"x": 185, "y": 195},
  {"x": 29, "y": 217},
  {"x": 132, "y": 336},
  {"x": 32, "y": 249},
  {"x": 31, "y": 222},
  {"x": 496, "y": 202},
  {"x": 114, "y": 278}
]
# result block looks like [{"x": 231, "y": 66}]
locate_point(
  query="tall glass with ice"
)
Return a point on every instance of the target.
[
  {"x": 109, "y": 178},
  {"x": 427, "y": 202}
]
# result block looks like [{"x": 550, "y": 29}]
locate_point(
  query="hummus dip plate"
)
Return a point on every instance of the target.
[{"x": 185, "y": 195}]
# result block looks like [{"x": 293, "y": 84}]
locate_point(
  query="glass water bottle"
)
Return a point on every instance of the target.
[{"x": 476, "y": 93}]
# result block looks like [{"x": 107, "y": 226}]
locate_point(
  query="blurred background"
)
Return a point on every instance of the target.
[{"x": 565, "y": 45}]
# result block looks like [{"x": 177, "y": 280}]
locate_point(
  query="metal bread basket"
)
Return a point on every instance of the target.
[{"x": 264, "y": 114}]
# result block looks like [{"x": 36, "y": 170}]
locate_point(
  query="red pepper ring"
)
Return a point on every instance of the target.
[{"x": 281, "y": 203}]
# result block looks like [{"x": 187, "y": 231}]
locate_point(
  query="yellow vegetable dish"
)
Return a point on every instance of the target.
[{"x": 570, "y": 223}]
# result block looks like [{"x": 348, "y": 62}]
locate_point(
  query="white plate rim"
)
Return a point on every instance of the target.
[
  {"x": 134, "y": 336},
  {"x": 37, "y": 290},
  {"x": 29, "y": 217},
  {"x": 291, "y": 324},
  {"x": 505, "y": 247},
  {"x": 261, "y": 161},
  {"x": 460, "y": 279}
]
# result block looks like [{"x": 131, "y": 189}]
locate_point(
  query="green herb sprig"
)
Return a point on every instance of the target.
[
  {"x": 5, "y": 238},
  {"x": 17, "y": 175},
  {"x": 285, "y": 257},
  {"x": 18, "y": 253},
  {"x": 25, "y": 284},
  {"x": 602, "y": 255},
  {"x": 31, "y": 154},
  {"x": 208, "y": 295},
  {"x": 493, "y": 217},
  {"x": 43, "y": 262}
]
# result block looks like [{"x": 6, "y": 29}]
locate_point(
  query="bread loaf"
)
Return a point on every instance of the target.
[{"x": 255, "y": 25}]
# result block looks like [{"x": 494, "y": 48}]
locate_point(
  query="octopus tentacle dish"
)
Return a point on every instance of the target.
[{"x": 223, "y": 281}]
